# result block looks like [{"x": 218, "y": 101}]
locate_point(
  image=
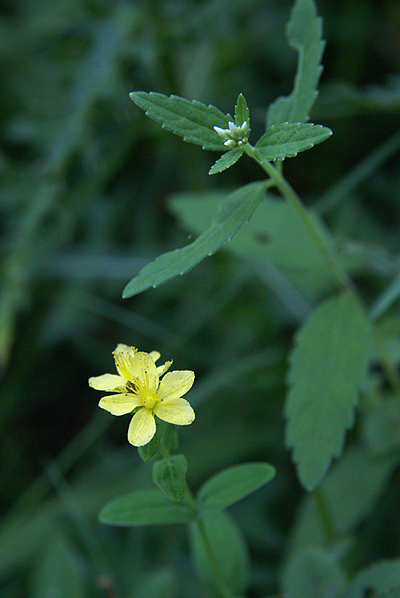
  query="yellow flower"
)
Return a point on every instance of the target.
[{"x": 138, "y": 384}]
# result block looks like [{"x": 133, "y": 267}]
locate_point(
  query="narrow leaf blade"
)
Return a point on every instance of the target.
[
  {"x": 234, "y": 210},
  {"x": 226, "y": 160},
  {"x": 193, "y": 121},
  {"x": 328, "y": 366},
  {"x": 232, "y": 484},
  {"x": 286, "y": 140},
  {"x": 242, "y": 113},
  {"x": 304, "y": 33},
  {"x": 146, "y": 507}
]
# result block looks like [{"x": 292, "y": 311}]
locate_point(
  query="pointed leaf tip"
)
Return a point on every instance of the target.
[{"x": 328, "y": 366}]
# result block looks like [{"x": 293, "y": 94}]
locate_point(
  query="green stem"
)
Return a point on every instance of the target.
[
  {"x": 220, "y": 582},
  {"x": 291, "y": 197},
  {"x": 277, "y": 179}
]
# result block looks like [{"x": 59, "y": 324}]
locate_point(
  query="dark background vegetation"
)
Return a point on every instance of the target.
[{"x": 85, "y": 181}]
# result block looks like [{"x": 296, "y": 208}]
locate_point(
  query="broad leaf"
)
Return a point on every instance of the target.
[
  {"x": 313, "y": 573},
  {"x": 146, "y": 507},
  {"x": 232, "y": 484},
  {"x": 228, "y": 548},
  {"x": 304, "y": 33},
  {"x": 170, "y": 476},
  {"x": 226, "y": 160},
  {"x": 234, "y": 210},
  {"x": 288, "y": 139},
  {"x": 328, "y": 366},
  {"x": 193, "y": 121}
]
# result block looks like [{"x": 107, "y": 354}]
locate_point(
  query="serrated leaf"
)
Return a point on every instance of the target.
[
  {"x": 229, "y": 550},
  {"x": 242, "y": 113},
  {"x": 379, "y": 578},
  {"x": 193, "y": 121},
  {"x": 232, "y": 484},
  {"x": 286, "y": 140},
  {"x": 304, "y": 34},
  {"x": 313, "y": 573},
  {"x": 146, "y": 507},
  {"x": 170, "y": 476},
  {"x": 226, "y": 160},
  {"x": 328, "y": 366},
  {"x": 234, "y": 211}
]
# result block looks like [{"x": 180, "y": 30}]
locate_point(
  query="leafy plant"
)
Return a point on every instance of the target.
[{"x": 286, "y": 480}]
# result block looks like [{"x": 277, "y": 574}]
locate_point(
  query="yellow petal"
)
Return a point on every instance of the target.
[
  {"x": 161, "y": 369},
  {"x": 119, "y": 404},
  {"x": 142, "y": 427},
  {"x": 175, "y": 411},
  {"x": 107, "y": 382},
  {"x": 175, "y": 384},
  {"x": 155, "y": 355},
  {"x": 121, "y": 348},
  {"x": 144, "y": 369},
  {"x": 124, "y": 356}
]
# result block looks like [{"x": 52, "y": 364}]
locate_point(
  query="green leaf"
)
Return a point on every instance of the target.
[
  {"x": 304, "y": 34},
  {"x": 275, "y": 234},
  {"x": 234, "y": 210},
  {"x": 170, "y": 476},
  {"x": 149, "y": 450},
  {"x": 328, "y": 366},
  {"x": 169, "y": 438},
  {"x": 242, "y": 113},
  {"x": 229, "y": 550},
  {"x": 146, "y": 507},
  {"x": 380, "y": 578},
  {"x": 226, "y": 160},
  {"x": 232, "y": 484},
  {"x": 312, "y": 573},
  {"x": 286, "y": 140},
  {"x": 193, "y": 121}
]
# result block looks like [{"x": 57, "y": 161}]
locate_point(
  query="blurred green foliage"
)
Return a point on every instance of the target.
[{"x": 86, "y": 181}]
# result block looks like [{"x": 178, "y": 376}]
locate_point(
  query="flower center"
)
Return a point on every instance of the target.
[{"x": 147, "y": 397}]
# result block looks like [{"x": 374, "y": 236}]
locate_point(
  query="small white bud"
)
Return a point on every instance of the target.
[{"x": 224, "y": 133}]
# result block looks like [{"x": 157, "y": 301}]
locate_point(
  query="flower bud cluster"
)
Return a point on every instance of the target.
[{"x": 234, "y": 136}]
